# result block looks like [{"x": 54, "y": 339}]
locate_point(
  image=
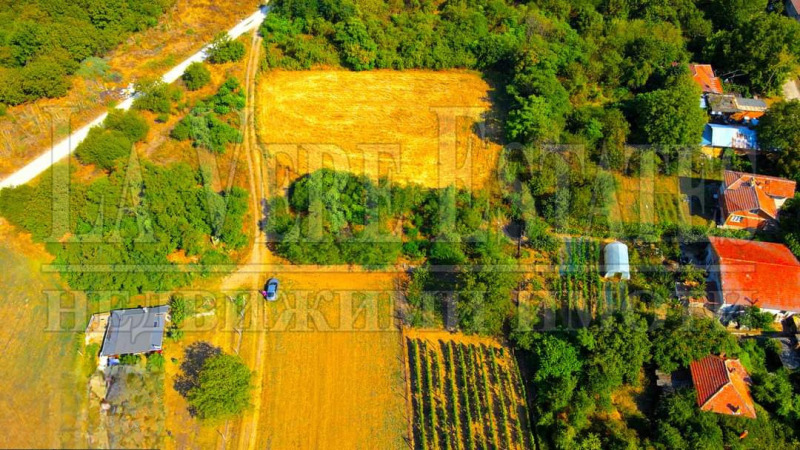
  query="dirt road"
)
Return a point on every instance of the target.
[
  {"x": 321, "y": 386},
  {"x": 65, "y": 147}
]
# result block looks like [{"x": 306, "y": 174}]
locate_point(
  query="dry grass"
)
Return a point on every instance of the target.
[
  {"x": 403, "y": 125},
  {"x": 27, "y": 130},
  {"x": 40, "y": 394}
]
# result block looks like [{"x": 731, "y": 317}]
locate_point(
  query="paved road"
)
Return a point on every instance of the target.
[{"x": 64, "y": 148}]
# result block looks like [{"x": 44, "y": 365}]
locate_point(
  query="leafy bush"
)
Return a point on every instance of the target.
[
  {"x": 196, "y": 76},
  {"x": 204, "y": 126},
  {"x": 223, "y": 49},
  {"x": 130, "y": 359},
  {"x": 130, "y": 123},
  {"x": 103, "y": 148},
  {"x": 753, "y": 318},
  {"x": 155, "y": 96},
  {"x": 223, "y": 388},
  {"x": 155, "y": 362}
]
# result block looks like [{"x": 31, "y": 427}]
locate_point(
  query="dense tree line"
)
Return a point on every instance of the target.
[
  {"x": 333, "y": 217},
  {"x": 135, "y": 220},
  {"x": 42, "y": 42},
  {"x": 336, "y": 217},
  {"x": 567, "y": 66}
]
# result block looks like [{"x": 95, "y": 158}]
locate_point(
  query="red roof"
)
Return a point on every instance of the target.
[
  {"x": 762, "y": 274},
  {"x": 749, "y": 192},
  {"x": 722, "y": 386},
  {"x": 703, "y": 74},
  {"x": 773, "y": 186}
]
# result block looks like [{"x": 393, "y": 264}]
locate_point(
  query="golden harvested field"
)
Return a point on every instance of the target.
[
  {"x": 431, "y": 128},
  {"x": 336, "y": 379},
  {"x": 27, "y": 130},
  {"x": 330, "y": 372},
  {"x": 40, "y": 394}
]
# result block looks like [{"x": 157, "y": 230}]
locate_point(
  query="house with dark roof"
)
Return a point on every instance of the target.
[
  {"x": 703, "y": 75},
  {"x": 729, "y": 107},
  {"x": 743, "y": 273},
  {"x": 752, "y": 202},
  {"x": 723, "y": 386},
  {"x": 134, "y": 331}
]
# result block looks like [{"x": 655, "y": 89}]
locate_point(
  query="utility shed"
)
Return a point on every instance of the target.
[
  {"x": 616, "y": 260},
  {"x": 138, "y": 330}
]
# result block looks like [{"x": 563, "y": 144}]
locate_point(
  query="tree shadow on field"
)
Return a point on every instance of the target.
[
  {"x": 194, "y": 357},
  {"x": 490, "y": 127}
]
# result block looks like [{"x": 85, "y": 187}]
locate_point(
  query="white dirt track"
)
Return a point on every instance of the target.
[{"x": 65, "y": 147}]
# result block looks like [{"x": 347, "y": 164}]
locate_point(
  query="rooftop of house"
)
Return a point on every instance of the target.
[
  {"x": 750, "y": 192},
  {"x": 762, "y": 274},
  {"x": 732, "y": 136},
  {"x": 138, "y": 330},
  {"x": 723, "y": 386},
  {"x": 703, "y": 74},
  {"x": 727, "y": 103}
]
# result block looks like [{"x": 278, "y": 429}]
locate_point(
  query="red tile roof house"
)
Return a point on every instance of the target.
[
  {"x": 746, "y": 273},
  {"x": 703, "y": 75},
  {"x": 723, "y": 386},
  {"x": 750, "y": 201}
]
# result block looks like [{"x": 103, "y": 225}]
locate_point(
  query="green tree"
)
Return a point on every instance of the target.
[
  {"x": 671, "y": 116},
  {"x": 753, "y": 318},
  {"x": 615, "y": 349},
  {"x": 196, "y": 76},
  {"x": 153, "y": 95},
  {"x": 532, "y": 121},
  {"x": 223, "y": 388},
  {"x": 43, "y": 78},
  {"x": 763, "y": 67},
  {"x": 684, "y": 339},
  {"x": 554, "y": 358},
  {"x": 778, "y": 130},
  {"x": 130, "y": 123},
  {"x": 103, "y": 148},
  {"x": 224, "y": 49},
  {"x": 358, "y": 48}
]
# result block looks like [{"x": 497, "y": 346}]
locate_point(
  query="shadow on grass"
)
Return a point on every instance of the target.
[{"x": 193, "y": 359}]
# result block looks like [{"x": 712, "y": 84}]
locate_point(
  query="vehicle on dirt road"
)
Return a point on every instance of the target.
[{"x": 270, "y": 291}]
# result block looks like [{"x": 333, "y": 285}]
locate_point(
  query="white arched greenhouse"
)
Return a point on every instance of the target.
[{"x": 616, "y": 260}]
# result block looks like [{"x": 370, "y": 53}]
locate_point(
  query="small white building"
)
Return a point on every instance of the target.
[{"x": 615, "y": 259}]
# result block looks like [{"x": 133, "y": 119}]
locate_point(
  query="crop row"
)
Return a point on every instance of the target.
[{"x": 465, "y": 397}]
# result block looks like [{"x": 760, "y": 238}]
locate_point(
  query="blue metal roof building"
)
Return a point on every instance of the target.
[{"x": 733, "y": 136}]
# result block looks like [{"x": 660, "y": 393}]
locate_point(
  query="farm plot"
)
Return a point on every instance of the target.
[
  {"x": 429, "y": 128},
  {"x": 580, "y": 290},
  {"x": 465, "y": 395},
  {"x": 652, "y": 200}
]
